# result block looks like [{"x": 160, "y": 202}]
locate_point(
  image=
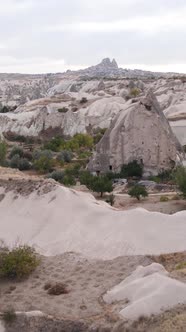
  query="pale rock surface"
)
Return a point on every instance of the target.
[
  {"x": 62, "y": 220},
  {"x": 139, "y": 132},
  {"x": 149, "y": 290},
  {"x": 36, "y": 117}
]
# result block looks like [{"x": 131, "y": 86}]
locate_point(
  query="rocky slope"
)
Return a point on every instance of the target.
[
  {"x": 94, "y": 250},
  {"x": 139, "y": 132},
  {"x": 40, "y": 97}
]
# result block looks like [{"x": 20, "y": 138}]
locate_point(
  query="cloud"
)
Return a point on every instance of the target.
[
  {"x": 10, "y": 64},
  {"x": 9, "y": 7},
  {"x": 142, "y": 24},
  {"x": 52, "y": 35}
]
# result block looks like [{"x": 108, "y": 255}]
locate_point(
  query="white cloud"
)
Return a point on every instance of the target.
[
  {"x": 8, "y": 7},
  {"x": 10, "y": 64},
  {"x": 167, "y": 68},
  {"x": 144, "y": 24}
]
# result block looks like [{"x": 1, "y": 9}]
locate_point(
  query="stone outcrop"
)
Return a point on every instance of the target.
[{"x": 140, "y": 132}]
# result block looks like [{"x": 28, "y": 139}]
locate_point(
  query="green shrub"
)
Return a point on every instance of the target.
[
  {"x": 180, "y": 178},
  {"x": 181, "y": 266},
  {"x": 73, "y": 170},
  {"x": 63, "y": 110},
  {"x": 43, "y": 164},
  {"x": 131, "y": 169},
  {"x": 20, "y": 163},
  {"x": 16, "y": 150},
  {"x": 57, "y": 176},
  {"x": 18, "y": 263},
  {"x": 9, "y": 316},
  {"x": 40, "y": 153},
  {"x": 84, "y": 140},
  {"x": 69, "y": 180},
  {"x": 84, "y": 155},
  {"x": 55, "y": 144},
  {"x": 100, "y": 184},
  {"x": 3, "y": 151},
  {"x": 138, "y": 191},
  {"x": 86, "y": 178},
  {"x": 164, "y": 199},
  {"x": 24, "y": 164},
  {"x": 65, "y": 156}
]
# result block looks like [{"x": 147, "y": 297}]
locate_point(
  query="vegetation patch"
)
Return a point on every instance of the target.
[
  {"x": 138, "y": 191},
  {"x": 9, "y": 316},
  {"x": 17, "y": 263},
  {"x": 164, "y": 199},
  {"x": 63, "y": 110}
]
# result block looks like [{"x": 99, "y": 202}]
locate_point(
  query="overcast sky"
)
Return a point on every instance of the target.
[{"x": 39, "y": 36}]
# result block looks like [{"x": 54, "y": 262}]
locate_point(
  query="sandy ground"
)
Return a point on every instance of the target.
[
  {"x": 152, "y": 203},
  {"x": 50, "y": 222},
  {"x": 85, "y": 280}
]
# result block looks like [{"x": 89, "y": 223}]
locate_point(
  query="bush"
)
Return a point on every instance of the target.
[
  {"x": 164, "y": 199},
  {"x": 69, "y": 180},
  {"x": 131, "y": 169},
  {"x": 43, "y": 161},
  {"x": 86, "y": 178},
  {"x": 180, "y": 178},
  {"x": 21, "y": 163},
  {"x": 55, "y": 144},
  {"x": 9, "y": 316},
  {"x": 84, "y": 155},
  {"x": 84, "y": 140},
  {"x": 3, "y": 151},
  {"x": 100, "y": 184},
  {"x": 134, "y": 92},
  {"x": 73, "y": 170},
  {"x": 40, "y": 153},
  {"x": 57, "y": 176},
  {"x": 137, "y": 191},
  {"x": 43, "y": 164},
  {"x": 65, "y": 156},
  {"x": 83, "y": 100},
  {"x": 63, "y": 110},
  {"x": 17, "y": 263},
  {"x": 16, "y": 150}
]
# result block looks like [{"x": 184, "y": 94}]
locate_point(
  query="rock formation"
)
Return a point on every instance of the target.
[{"x": 140, "y": 132}]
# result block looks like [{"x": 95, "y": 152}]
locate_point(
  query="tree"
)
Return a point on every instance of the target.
[
  {"x": 100, "y": 184},
  {"x": 3, "y": 150},
  {"x": 69, "y": 180},
  {"x": 132, "y": 169},
  {"x": 137, "y": 191},
  {"x": 57, "y": 176},
  {"x": 86, "y": 178},
  {"x": 180, "y": 177},
  {"x": 16, "y": 150},
  {"x": 65, "y": 156},
  {"x": 84, "y": 140},
  {"x": 21, "y": 163},
  {"x": 43, "y": 164}
]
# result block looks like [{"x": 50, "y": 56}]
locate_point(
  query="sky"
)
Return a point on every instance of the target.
[{"x": 40, "y": 36}]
